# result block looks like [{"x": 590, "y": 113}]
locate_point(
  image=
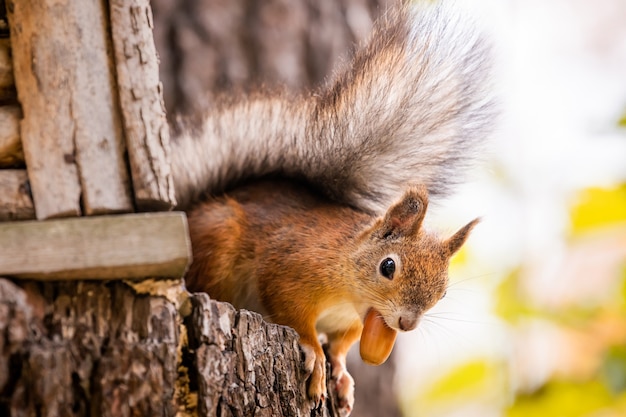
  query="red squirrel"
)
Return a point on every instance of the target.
[{"x": 309, "y": 208}]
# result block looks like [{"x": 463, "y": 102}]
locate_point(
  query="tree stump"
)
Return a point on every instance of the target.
[{"x": 147, "y": 348}]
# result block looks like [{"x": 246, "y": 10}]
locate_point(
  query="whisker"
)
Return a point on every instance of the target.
[
  {"x": 472, "y": 278},
  {"x": 451, "y": 334},
  {"x": 459, "y": 320}
]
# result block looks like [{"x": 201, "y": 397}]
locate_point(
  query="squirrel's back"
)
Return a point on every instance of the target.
[
  {"x": 411, "y": 107},
  {"x": 262, "y": 225}
]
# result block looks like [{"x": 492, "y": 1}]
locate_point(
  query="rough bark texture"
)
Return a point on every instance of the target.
[
  {"x": 63, "y": 73},
  {"x": 246, "y": 367},
  {"x": 81, "y": 349},
  {"x": 84, "y": 348},
  {"x": 141, "y": 99},
  {"x": 209, "y": 47}
]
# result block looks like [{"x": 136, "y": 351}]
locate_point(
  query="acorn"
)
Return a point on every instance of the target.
[{"x": 377, "y": 339}]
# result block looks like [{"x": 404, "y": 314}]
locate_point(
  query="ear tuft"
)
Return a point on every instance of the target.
[
  {"x": 405, "y": 217},
  {"x": 457, "y": 240}
]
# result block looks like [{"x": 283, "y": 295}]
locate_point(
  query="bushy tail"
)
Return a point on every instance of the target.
[{"x": 411, "y": 107}]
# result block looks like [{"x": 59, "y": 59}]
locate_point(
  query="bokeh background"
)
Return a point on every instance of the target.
[{"x": 534, "y": 323}]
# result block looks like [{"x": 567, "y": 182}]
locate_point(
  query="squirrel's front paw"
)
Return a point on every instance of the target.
[
  {"x": 315, "y": 366},
  {"x": 344, "y": 385}
]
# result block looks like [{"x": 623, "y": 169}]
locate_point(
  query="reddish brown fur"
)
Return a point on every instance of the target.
[
  {"x": 281, "y": 249},
  {"x": 411, "y": 107}
]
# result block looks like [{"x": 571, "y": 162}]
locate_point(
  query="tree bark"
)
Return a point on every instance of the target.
[
  {"x": 211, "y": 47},
  {"x": 245, "y": 366},
  {"x": 147, "y": 348},
  {"x": 78, "y": 349}
]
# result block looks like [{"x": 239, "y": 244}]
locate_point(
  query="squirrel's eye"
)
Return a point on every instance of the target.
[{"x": 387, "y": 268}]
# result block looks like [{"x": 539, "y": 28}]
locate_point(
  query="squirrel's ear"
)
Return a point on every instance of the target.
[
  {"x": 457, "y": 240},
  {"x": 405, "y": 217}
]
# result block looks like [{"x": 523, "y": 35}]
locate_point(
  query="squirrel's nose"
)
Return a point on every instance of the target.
[{"x": 406, "y": 323}]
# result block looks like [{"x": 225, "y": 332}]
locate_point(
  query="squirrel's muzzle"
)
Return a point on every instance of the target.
[{"x": 408, "y": 322}]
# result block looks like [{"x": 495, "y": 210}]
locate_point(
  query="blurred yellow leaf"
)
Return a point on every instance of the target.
[
  {"x": 598, "y": 207},
  {"x": 472, "y": 382},
  {"x": 511, "y": 303},
  {"x": 467, "y": 380},
  {"x": 564, "y": 399}
]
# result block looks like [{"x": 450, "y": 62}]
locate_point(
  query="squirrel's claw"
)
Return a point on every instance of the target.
[
  {"x": 315, "y": 367},
  {"x": 317, "y": 381}
]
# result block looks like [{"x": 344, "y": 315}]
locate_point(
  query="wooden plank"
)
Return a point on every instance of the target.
[
  {"x": 15, "y": 200},
  {"x": 72, "y": 130},
  {"x": 100, "y": 247},
  {"x": 10, "y": 143},
  {"x": 141, "y": 99}
]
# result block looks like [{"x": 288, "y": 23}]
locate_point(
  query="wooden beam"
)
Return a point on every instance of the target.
[
  {"x": 72, "y": 130},
  {"x": 15, "y": 200},
  {"x": 100, "y": 247},
  {"x": 141, "y": 99},
  {"x": 10, "y": 144}
]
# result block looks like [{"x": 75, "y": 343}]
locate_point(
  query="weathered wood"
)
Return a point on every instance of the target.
[
  {"x": 141, "y": 99},
  {"x": 71, "y": 131},
  {"x": 102, "y": 247},
  {"x": 89, "y": 348},
  {"x": 10, "y": 144},
  {"x": 86, "y": 348},
  {"x": 7, "y": 82},
  {"x": 15, "y": 200},
  {"x": 245, "y": 366},
  {"x": 16, "y": 316}
]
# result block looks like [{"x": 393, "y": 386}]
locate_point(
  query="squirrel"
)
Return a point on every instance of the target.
[{"x": 309, "y": 208}]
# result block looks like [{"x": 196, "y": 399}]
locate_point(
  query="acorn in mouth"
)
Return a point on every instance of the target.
[{"x": 377, "y": 339}]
